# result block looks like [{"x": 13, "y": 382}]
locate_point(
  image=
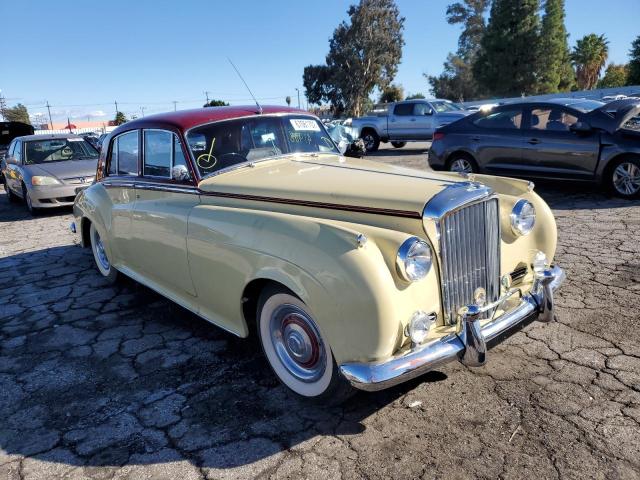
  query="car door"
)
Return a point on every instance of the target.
[
  {"x": 425, "y": 121},
  {"x": 553, "y": 150},
  {"x": 495, "y": 138},
  {"x": 401, "y": 122},
  {"x": 13, "y": 169},
  {"x": 121, "y": 171},
  {"x": 165, "y": 196}
]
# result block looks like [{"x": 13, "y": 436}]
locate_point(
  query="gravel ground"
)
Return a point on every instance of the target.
[{"x": 106, "y": 382}]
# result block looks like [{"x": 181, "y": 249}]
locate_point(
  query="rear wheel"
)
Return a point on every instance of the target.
[
  {"x": 462, "y": 164},
  {"x": 100, "y": 256},
  {"x": 296, "y": 350},
  {"x": 624, "y": 178},
  {"x": 398, "y": 144},
  {"x": 371, "y": 140}
]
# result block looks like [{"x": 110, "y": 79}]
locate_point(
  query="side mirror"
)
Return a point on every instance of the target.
[
  {"x": 10, "y": 160},
  {"x": 342, "y": 146},
  {"x": 580, "y": 127},
  {"x": 428, "y": 111},
  {"x": 180, "y": 173}
]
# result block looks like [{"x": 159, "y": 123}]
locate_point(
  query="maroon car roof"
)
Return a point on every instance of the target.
[{"x": 186, "y": 119}]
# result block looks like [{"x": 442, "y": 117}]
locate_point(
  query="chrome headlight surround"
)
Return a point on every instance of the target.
[
  {"x": 414, "y": 259},
  {"x": 523, "y": 217}
]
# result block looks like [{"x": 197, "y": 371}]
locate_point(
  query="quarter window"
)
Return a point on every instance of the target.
[
  {"x": 552, "y": 119},
  {"x": 504, "y": 119},
  {"x": 403, "y": 109}
]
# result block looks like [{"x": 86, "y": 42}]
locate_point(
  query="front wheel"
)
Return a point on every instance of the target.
[
  {"x": 296, "y": 350},
  {"x": 100, "y": 256},
  {"x": 398, "y": 144},
  {"x": 624, "y": 179},
  {"x": 27, "y": 200}
]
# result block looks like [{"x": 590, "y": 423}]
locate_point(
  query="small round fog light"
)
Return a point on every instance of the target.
[
  {"x": 480, "y": 296},
  {"x": 540, "y": 263},
  {"x": 419, "y": 325}
]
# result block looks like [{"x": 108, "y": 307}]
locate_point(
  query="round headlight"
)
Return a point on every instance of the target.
[
  {"x": 414, "y": 259},
  {"x": 523, "y": 217}
]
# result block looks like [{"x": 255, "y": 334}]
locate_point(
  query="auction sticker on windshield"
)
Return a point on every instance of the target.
[{"x": 304, "y": 125}]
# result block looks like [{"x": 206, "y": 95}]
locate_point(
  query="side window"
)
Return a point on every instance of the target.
[
  {"x": 552, "y": 119},
  {"x": 128, "y": 150},
  {"x": 504, "y": 119},
  {"x": 403, "y": 109},
  {"x": 178, "y": 159},
  {"x": 158, "y": 152},
  {"x": 17, "y": 151},
  {"x": 421, "y": 109}
]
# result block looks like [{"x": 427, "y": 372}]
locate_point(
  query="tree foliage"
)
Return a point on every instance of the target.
[
  {"x": 614, "y": 76},
  {"x": 364, "y": 53},
  {"x": 634, "y": 63},
  {"x": 457, "y": 82},
  {"x": 555, "y": 71},
  {"x": 119, "y": 119},
  {"x": 392, "y": 93},
  {"x": 415, "y": 96},
  {"x": 589, "y": 57},
  {"x": 507, "y": 60},
  {"x": 216, "y": 103},
  {"x": 17, "y": 113}
]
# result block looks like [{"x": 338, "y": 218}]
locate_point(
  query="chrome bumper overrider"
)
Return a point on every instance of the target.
[{"x": 468, "y": 344}]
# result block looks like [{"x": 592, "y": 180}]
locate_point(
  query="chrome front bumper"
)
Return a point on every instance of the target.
[{"x": 468, "y": 344}]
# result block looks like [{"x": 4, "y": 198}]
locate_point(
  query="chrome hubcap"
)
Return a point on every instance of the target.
[
  {"x": 461, "y": 165},
  {"x": 626, "y": 178},
  {"x": 297, "y": 343},
  {"x": 102, "y": 256}
]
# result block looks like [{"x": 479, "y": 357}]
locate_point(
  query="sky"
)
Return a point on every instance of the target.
[{"x": 81, "y": 57}]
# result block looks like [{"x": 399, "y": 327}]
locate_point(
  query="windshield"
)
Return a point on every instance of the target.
[
  {"x": 441, "y": 107},
  {"x": 224, "y": 144},
  {"x": 58, "y": 150}
]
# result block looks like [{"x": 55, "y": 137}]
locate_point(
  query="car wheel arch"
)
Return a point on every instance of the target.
[
  {"x": 615, "y": 161},
  {"x": 464, "y": 154}
]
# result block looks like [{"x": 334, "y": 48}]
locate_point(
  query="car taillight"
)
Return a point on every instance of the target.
[{"x": 438, "y": 136}]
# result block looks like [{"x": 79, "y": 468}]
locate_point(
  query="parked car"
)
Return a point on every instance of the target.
[
  {"x": 408, "y": 121},
  {"x": 347, "y": 138},
  {"x": 353, "y": 274},
  {"x": 568, "y": 139},
  {"x": 92, "y": 138},
  {"x": 48, "y": 170},
  {"x": 9, "y": 131}
]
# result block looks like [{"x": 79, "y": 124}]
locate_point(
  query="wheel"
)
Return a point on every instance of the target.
[
  {"x": 295, "y": 349},
  {"x": 624, "y": 178},
  {"x": 462, "y": 164},
  {"x": 12, "y": 197},
  {"x": 398, "y": 144},
  {"x": 27, "y": 200},
  {"x": 371, "y": 140},
  {"x": 100, "y": 256}
]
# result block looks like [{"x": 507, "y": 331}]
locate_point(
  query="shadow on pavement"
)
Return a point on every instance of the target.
[{"x": 100, "y": 375}]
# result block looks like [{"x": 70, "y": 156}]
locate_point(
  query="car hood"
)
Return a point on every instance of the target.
[
  {"x": 614, "y": 115},
  {"x": 67, "y": 169},
  {"x": 330, "y": 179}
]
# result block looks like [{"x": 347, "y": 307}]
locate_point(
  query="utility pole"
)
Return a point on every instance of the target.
[
  {"x": 174, "y": 105},
  {"x": 3, "y": 106},
  {"x": 49, "y": 110},
  {"x": 297, "y": 90},
  {"x": 206, "y": 93},
  {"x": 116, "y": 103},
  {"x": 142, "y": 111}
]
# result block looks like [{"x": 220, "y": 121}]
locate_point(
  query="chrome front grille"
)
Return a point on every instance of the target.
[{"x": 470, "y": 255}]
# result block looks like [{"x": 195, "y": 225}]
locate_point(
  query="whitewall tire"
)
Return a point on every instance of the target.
[
  {"x": 297, "y": 352},
  {"x": 100, "y": 256}
]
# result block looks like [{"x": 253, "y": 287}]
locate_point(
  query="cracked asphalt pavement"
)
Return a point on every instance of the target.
[{"x": 115, "y": 382}]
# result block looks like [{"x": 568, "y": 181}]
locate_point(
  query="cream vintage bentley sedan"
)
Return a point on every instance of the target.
[{"x": 352, "y": 273}]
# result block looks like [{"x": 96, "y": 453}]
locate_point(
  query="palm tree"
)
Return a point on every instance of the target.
[{"x": 589, "y": 57}]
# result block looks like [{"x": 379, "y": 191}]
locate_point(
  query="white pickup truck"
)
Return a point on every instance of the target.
[{"x": 408, "y": 121}]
